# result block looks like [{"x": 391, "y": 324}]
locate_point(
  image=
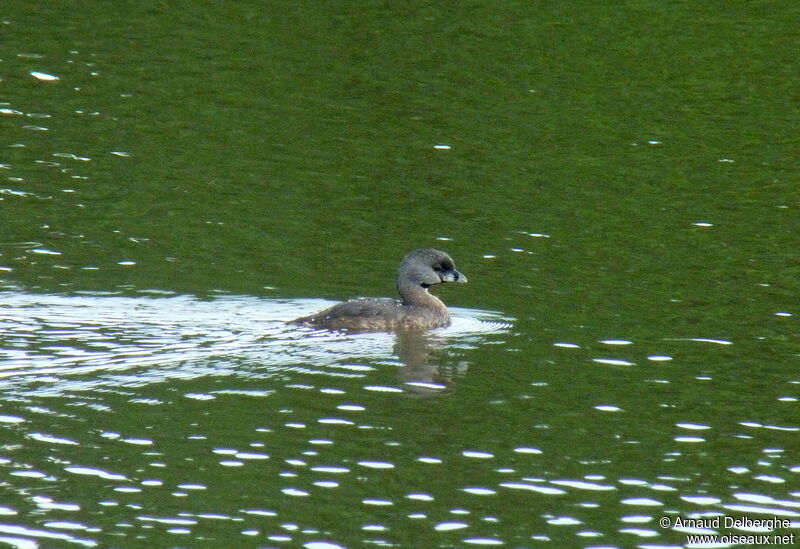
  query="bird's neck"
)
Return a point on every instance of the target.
[{"x": 417, "y": 296}]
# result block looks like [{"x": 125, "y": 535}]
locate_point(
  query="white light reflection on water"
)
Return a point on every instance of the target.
[
  {"x": 337, "y": 451},
  {"x": 53, "y": 344}
]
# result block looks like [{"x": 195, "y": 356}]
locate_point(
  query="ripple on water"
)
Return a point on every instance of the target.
[
  {"x": 271, "y": 439},
  {"x": 115, "y": 341}
]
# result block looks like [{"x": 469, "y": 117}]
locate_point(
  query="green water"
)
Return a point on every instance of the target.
[{"x": 618, "y": 183}]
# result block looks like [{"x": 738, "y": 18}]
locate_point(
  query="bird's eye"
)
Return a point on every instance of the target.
[{"x": 437, "y": 268}]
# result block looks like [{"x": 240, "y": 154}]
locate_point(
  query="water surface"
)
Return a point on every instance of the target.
[{"x": 619, "y": 185}]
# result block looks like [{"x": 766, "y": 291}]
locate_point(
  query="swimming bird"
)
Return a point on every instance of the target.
[{"x": 417, "y": 308}]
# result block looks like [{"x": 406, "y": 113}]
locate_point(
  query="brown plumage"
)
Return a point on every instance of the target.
[{"x": 416, "y": 310}]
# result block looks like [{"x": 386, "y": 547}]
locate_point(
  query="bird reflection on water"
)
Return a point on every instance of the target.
[{"x": 421, "y": 372}]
